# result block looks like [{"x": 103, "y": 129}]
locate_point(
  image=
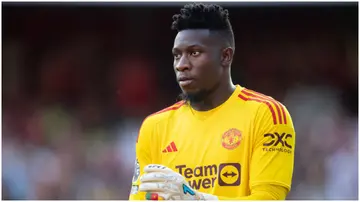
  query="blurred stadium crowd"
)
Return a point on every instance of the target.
[{"x": 79, "y": 80}]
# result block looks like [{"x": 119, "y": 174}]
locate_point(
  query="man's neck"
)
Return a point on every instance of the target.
[{"x": 217, "y": 97}]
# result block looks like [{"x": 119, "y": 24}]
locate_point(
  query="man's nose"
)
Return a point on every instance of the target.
[{"x": 182, "y": 64}]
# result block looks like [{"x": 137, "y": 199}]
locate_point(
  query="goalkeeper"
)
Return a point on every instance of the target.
[{"x": 222, "y": 141}]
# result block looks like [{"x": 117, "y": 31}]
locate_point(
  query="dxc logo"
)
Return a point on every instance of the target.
[{"x": 276, "y": 138}]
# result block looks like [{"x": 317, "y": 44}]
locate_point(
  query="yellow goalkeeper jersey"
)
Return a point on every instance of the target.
[{"x": 247, "y": 141}]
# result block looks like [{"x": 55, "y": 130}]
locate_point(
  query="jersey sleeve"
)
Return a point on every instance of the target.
[
  {"x": 262, "y": 192},
  {"x": 143, "y": 158},
  {"x": 272, "y": 161}
]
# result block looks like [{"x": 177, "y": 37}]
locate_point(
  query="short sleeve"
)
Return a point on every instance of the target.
[{"x": 272, "y": 161}]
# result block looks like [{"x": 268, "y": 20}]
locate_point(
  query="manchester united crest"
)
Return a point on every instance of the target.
[{"x": 231, "y": 139}]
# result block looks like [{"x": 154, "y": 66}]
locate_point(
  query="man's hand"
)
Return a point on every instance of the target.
[{"x": 162, "y": 183}]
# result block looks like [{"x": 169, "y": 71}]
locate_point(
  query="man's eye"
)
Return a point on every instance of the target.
[
  {"x": 195, "y": 53},
  {"x": 176, "y": 56}
]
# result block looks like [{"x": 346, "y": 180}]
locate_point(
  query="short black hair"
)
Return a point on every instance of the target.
[{"x": 205, "y": 16}]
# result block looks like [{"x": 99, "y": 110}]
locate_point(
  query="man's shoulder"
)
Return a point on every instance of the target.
[
  {"x": 150, "y": 122},
  {"x": 263, "y": 103},
  {"x": 259, "y": 102},
  {"x": 164, "y": 114},
  {"x": 255, "y": 98}
]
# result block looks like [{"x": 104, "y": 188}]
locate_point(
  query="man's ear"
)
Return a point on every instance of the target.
[{"x": 227, "y": 56}]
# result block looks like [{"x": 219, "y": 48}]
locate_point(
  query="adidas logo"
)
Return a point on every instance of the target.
[{"x": 170, "y": 148}]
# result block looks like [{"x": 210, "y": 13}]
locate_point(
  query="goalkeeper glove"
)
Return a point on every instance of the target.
[{"x": 162, "y": 183}]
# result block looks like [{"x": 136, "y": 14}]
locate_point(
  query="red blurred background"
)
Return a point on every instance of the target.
[{"x": 78, "y": 78}]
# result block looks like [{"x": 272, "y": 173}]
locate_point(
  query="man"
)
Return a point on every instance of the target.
[{"x": 222, "y": 141}]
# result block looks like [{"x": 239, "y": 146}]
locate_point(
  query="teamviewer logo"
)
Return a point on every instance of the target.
[{"x": 229, "y": 174}]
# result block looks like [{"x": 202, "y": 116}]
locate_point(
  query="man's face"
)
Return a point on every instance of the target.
[{"x": 197, "y": 61}]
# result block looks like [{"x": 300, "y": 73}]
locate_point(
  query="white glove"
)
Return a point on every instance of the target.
[{"x": 162, "y": 183}]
